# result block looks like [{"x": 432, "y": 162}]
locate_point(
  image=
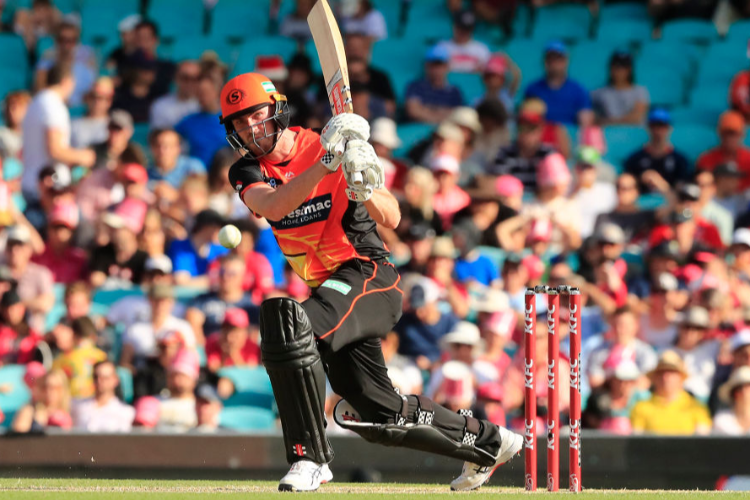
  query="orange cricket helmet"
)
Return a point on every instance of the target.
[{"x": 247, "y": 93}]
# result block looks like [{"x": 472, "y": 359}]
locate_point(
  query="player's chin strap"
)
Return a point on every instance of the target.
[{"x": 417, "y": 431}]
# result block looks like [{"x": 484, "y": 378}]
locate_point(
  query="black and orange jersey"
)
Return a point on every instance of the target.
[{"x": 327, "y": 229}]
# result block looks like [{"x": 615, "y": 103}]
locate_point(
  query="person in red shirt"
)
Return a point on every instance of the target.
[
  {"x": 687, "y": 230},
  {"x": 739, "y": 93},
  {"x": 449, "y": 198},
  {"x": 17, "y": 340},
  {"x": 66, "y": 262},
  {"x": 232, "y": 345},
  {"x": 731, "y": 132}
]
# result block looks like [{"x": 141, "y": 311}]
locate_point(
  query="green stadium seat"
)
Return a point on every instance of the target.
[
  {"x": 177, "y": 18},
  {"x": 622, "y": 140},
  {"x": 695, "y": 116},
  {"x": 589, "y": 63},
  {"x": 521, "y": 22},
  {"x": 410, "y": 134},
  {"x": 568, "y": 22},
  {"x": 624, "y": 10},
  {"x": 739, "y": 32},
  {"x": 12, "y": 401},
  {"x": 710, "y": 96},
  {"x": 247, "y": 418},
  {"x": 689, "y": 30},
  {"x": 402, "y": 66},
  {"x": 126, "y": 384},
  {"x": 528, "y": 55},
  {"x": 109, "y": 297},
  {"x": 140, "y": 135},
  {"x": 251, "y": 387},
  {"x": 624, "y": 30},
  {"x": 666, "y": 87},
  {"x": 470, "y": 84},
  {"x": 184, "y": 48},
  {"x": 263, "y": 46},
  {"x": 238, "y": 19},
  {"x": 649, "y": 201},
  {"x": 692, "y": 140},
  {"x": 67, "y": 6},
  {"x": 13, "y": 55}
]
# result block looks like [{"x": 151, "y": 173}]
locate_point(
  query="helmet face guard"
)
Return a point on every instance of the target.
[{"x": 280, "y": 117}]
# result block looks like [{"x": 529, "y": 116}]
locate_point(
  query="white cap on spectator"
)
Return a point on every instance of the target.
[
  {"x": 445, "y": 163},
  {"x": 491, "y": 300},
  {"x": 129, "y": 23},
  {"x": 424, "y": 291},
  {"x": 741, "y": 237},
  {"x": 625, "y": 370},
  {"x": 610, "y": 233},
  {"x": 464, "y": 333},
  {"x": 19, "y": 233},
  {"x": 158, "y": 263},
  {"x": 450, "y": 132},
  {"x": 739, "y": 340},
  {"x": 464, "y": 116},
  {"x": 384, "y": 132},
  {"x": 739, "y": 377}
]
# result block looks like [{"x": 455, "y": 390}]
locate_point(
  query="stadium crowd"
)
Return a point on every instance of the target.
[{"x": 119, "y": 308}]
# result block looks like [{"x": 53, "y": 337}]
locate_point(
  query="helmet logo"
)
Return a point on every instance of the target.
[{"x": 235, "y": 96}]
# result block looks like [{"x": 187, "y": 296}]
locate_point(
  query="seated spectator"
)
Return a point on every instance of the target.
[
  {"x": 727, "y": 185},
  {"x": 169, "y": 166},
  {"x": 472, "y": 268},
  {"x": 465, "y": 54},
  {"x": 554, "y": 134},
  {"x": 593, "y": 196},
  {"x": 448, "y": 138},
  {"x": 431, "y": 98},
  {"x": 169, "y": 110},
  {"x": 117, "y": 60},
  {"x": 496, "y": 328},
  {"x": 622, "y": 344},
  {"x": 418, "y": 242},
  {"x": 658, "y": 324},
  {"x": 456, "y": 389},
  {"x": 635, "y": 223},
  {"x": 33, "y": 24},
  {"x": 567, "y": 101},
  {"x": 739, "y": 352},
  {"x": 202, "y": 131},
  {"x": 731, "y": 131},
  {"x": 294, "y": 25},
  {"x": 515, "y": 277},
  {"x": 423, "y": 324},
  {"x": 462, "y": 344},
  {"x": 120, "y": 261},
  {"x": 739, "y": 93},
  {"x": 222, "y": 197},
  {"x": 493, "y": 117},
  {"x": 49, "y": 406},
  {"x": 11, "y": 133},
  {"x": 147, "y": 42},
  {"x": 18, "y": 341},
  {"x": 68, "y": 50},
  {"x": 621, "y": 102},
  {"x": 359, "y": 45},
  {"x": 35, "y": 282},
  {"x": 670, "y": 410},
  {"x": 410, "y": 376},
  {"x": 104, "y": 412},
  {"x": 368, "y": 21},
  {"x": 137, "y": 92},
  {"x": 206, "y": 312},
  {"x": 66, "y": 262},
  {"x": 416, "y": 207},
  {"x": 120, "y": 130},
  {"x": 707, "y": 206},
  {"x": 232, "y": 345},
  {"x": 208, "y": 406},
  {"x": 146, "y": 412},
  {"x": 91, "y": 128},
  {"x": 688, "y": 230},
  {"x": 141, "y": 339},
  {"x": 658, "y": 162},
  {"x": 191, "y": 257},
  {"x": 609, "y": 406},
  {"x": 449, "y": 198},
  {"x": 384, "y": 139},
  {"x": 489, "y": 402},
  {"x": 698, "y": 353},
  {"x": 366, "y": 105},
  {"x": 522, "y": 157},
  {"x": 492, "y": 204},
  {"x": 78, "y": 356},
  {"x": 177, "y": 409},
  {"x": 467, "y": 120},
  {"x": 497, "y": 86},
  {"x": 735, "y": 420},
  {"x": 77, "y": 300}
]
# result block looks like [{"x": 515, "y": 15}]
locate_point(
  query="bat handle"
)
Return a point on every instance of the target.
[{"x": 356, "y": 179}]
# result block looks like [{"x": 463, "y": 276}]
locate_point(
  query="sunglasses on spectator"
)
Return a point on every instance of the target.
[
  {"x": 620, "y": 187},
  {"x": 67, "y": 40}
]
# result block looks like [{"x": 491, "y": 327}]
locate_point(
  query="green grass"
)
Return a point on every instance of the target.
[{"x": 117, "y": 489}]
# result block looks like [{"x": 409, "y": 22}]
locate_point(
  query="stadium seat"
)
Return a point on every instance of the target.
[
  {"x": 692, "y": 140},
  {"x": 528, "y": 55},
  {"x": 251, "y": 387},
  {"x": 392, "y": 13},
  {"x": 430, "y": 29},
  {"x": 247, "y": 418},
  {"x": 589, "y": 63},
  {"x": 18, "y": 394},
  {"x": 625, "y": 10},
  {"x": 67, "y": 6},
  {"x": 177, "y": 18},
  {"x": 660, "y": 55},
  {"x": 12, "y": 80},
  {"x": 13, "y": 55},
  {"x": 689, "y": 30},
  {"x": 648, "y": 201},
  {"x": 521, "y": 22},
  {"x": 140, "y": 135},
  {"x": 738, "y": 32},
  {"x": 470, "y": 84},
  {"x": 624, "y": 30},
  {"x": 108, "y": 297},
  {"x": 568, "y": 22},
  {"x": 263, "y": 46},
  {"x": 126, "y": 384},
  {"x": 497, "y": 255},
  {"x": 710, "y": 96},
  {"x": 99, "y": 22},
  {"x": 665, "y": 87},
  {"x": 622, "y": 141},
  {"x": 695, "y": 116},
  {"x": 238, "y": 19},
  {"x": 184, "y": 48},
  {"x": 410, "y": 134}
]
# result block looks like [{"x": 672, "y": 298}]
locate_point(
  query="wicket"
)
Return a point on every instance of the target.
[{"x": 553, "y": 410}]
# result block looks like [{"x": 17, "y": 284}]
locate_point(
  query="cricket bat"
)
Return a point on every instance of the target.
[{"x": 330, "y": 47}]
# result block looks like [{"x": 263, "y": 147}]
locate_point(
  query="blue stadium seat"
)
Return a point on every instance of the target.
[
  {"x": 251, "y": 385},
  {"x": 12, "y": 80},
  {"x": 569, "y": 22},
  {"x": 126, "y": 384},
  {"x": 428, "y": 28},
  {"x": 721, "y": 63},
  {"x": 109, "y": 297},
  {"x": 184, "y": 48},
  {"x": 392, "y": 13},
  {"x": 665, "y": 87},
  {"x": 99, "y": 19},
  {"x": 238, "y": 19},
  {"x": 739, "y": 32},
  {"x": 13, "y": 55},
  {"x": 67, "y": 6},
  {"x": 521, "y": 22},
  {"x": 263, "y": 46},
  {"x": 410, "y": 134},
  {"x": 247, "y": 418},
  {"x": 589, "y": 62},
  {"x": 140, "y": 135},
  {"x": 177, "y": 18},
  {"x": 706, "y": 117},
  {"x": 470, "y": 84},
  {"x": 622, "y": 141},
  {"x": 529, "y": 56},
  {"x": 648, "y": 201},
  {"x": 689, "y": 30},
  {"x": 661, "y": 55},
  {"x": 692, "y": 140},
  {"x": 624, "y": 30},
  {"x": 710, "y": 96},
  {"x": 12, "y": 401},
  {"x": 44, "y": 43},
  {"x": 624, "y": 10}
]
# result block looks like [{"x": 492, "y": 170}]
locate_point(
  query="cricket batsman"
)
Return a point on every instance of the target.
[{"x": 325, "y": 224}]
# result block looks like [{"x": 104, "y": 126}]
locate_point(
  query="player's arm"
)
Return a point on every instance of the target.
[{"x": 383, "y": 208}]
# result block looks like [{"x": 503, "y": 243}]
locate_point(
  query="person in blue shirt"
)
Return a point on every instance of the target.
[
  {"x": 191, "y": 257},
  {"x": 202, "y": 130},
  {"x": 567, "y": 101},
  {"x": 168, "y": 164},
  {"x": 471, "y": 266},
  {"x": 431, "y": 98}
]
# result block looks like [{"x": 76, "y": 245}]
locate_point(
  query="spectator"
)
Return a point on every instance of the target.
[
  {"x": 365, "y": 104},
  {"x": 472, "y": 268},
  {"x": 191, "y": 257},
  {"x": 496, "y": 324},
  {"x": 727, "y": 186},
  {"x": 384, "y": 139},
  {"x": 116, "y": 145},
  {"x": 117, "y": 60},
  {"x": 141, "y": 339},
  {"x": 731, "y": 132},
  {"x": 147, "y": 410},
  {"x": 431, "y": 98},
  {"x": 670, "y": 410},
  {"x": 621, "y": 102},
  {"x": 137, "y": 92},
  {"x": 449, "y": 198},
  {"x": 177, "y": 411},
  {"x": 77, "y": 360},
  {"x": 418, "y": 242},
  {"x": 208, "y": 407},
  {"x": 169, "y": 110},
  {"x": 66, "y": 262},
  {"x": 358, "y": 45},
  {"x": 492, "y": 204},
  {"x": 636, "y": 223},
  {"x": 35, "y": 283},
  {"x": 18, "y": 341},
  {"x": 464, "y": 344},
  {"x": 121, "y": 261},
  {"x": 698, "y": 353},
  {"x": 440, "y": 269},
  {"x": 410, "y": 376},
  {"x": 739, "y": 351},
  {"x": 50, "y": 406},
  {"x": 147, "y": 41},
  {"x": 456, "y": 389},
  {"x": 232, "y": 345},
  {"x": 294, "y": 25},
  {"x": 708, "y": 208},
  {"x": 467, "y": 120},
  {"x": 169, "y": 166},
  {"x": 623, "y": 344},
  {"x": 423, "y": 324},
  {"x": 36, "y": 23},
  {"x": 493, "y": 117},
  {"x": 416, "y": 206},
  {"x": 202, "y": 130},
  {"x": 11, "y": 133},
  {"x": 521, "y": 158},
  {"x": 104, "y": 412},
  {"x": 609, "y": 406},
  {"x": 77, "y": 299},
  {"x": 593, "y": 196},
  {"x": 658, "y": 162},
  {"x": 68, "y": 51},
  {"x": 567, "y": 101},
  {"x": 688, "y": 231},
  {"x": 735, "y": 392},
  {"x": 465, "y": 54},
  {"x": 367, "y": 20},
  {"x": 46, "y": 131},
  {"x": 222, "y": 197},
  {"x": 448, "y": 138},
  {"x": 91, "y": 128}
]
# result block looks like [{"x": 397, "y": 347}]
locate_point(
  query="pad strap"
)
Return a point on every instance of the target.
[
  {"x": 473, "y": 427},
  {"x": 403, "y": 417},
  {"x": 425, "y": 412}
]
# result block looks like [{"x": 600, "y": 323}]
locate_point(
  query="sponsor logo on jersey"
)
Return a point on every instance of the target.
[
  {"x": 315, "y": 210},
  {"x": 339, "y": 286}
]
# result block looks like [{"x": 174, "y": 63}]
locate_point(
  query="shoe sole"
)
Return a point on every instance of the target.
[{"x": 510, "y": 455}]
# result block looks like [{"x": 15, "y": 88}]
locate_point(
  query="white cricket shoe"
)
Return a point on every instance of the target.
[
  {"x": 305, "y": 475},
  {"x": 474, "y": 476}
]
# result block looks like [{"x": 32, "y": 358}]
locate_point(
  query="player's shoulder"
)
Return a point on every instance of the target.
[{"x": 244, "y": 172}]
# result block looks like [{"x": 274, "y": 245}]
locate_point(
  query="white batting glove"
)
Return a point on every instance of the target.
[
  {"x": 341, "y": 128},
  {"x": 362, "y": 163}
]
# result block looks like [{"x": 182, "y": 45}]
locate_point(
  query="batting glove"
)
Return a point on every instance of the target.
[{"x": 341, "y": 128}]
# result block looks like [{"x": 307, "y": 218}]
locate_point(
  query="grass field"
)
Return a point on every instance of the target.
[{"x": 102, "y": 489}]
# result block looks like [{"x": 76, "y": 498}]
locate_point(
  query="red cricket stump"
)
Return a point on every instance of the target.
[
  {"x": 553, "y": 406},
  {"x": 529, "y": 336},
  {"x": 574, "y": 460}
]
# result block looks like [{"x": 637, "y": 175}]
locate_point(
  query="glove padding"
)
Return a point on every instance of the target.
[
  {"x": 362, "y": 163},
  {"x": 341, "y": 128}
]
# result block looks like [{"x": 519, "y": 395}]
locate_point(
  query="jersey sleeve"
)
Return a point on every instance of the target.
[{"x": 245, "y": 174}]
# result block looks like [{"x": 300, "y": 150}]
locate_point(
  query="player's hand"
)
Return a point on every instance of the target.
[{"x": 342, "y": 128}]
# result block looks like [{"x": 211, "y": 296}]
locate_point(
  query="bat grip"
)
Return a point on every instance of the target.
[{"x": 356, "y": 177}]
